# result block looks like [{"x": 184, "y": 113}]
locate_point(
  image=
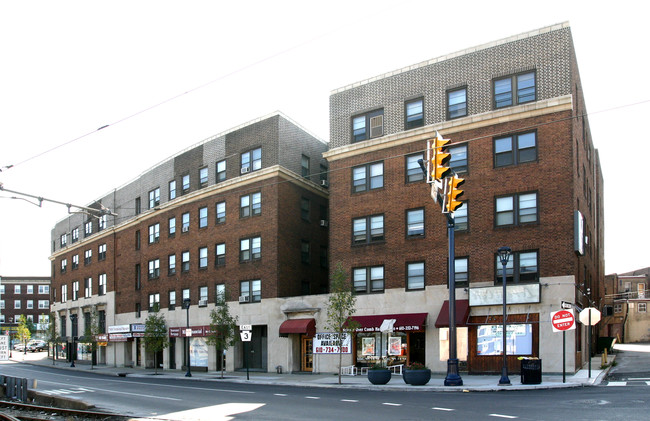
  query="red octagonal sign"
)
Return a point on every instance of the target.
[{"x": 563, "y": 320}]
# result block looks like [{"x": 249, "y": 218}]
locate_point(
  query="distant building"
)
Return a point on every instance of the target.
[
  {"x": 24, "y": 295},
  {"x": 625, "y": 315}
]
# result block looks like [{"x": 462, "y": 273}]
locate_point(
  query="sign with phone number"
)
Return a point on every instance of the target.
[{"x": 327, "y": 343}]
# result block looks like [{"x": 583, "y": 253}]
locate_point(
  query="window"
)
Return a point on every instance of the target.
[
  {"x": 2, "y": 304},
  {"x": 523, "y": 86},
  {"x": 64, "y": 293},
  {"x": 185, "y": 184},
  {"x": 456, "y": 103},
  {"x": 252, "y": 290},
  {"x": 75, "y": 235},
  {"x": 322, "y": 175},
  {"x": 203, "y": 296},
  {"x": 154, "y": 198},
  {"x": 137, "y": 240},
  {"x": 521, "y": 267},
  {"x": 43, "y": 304},
  {"x": 154, "y": 302},
  {"x": 221, "y": 171},
  {"x": 324, "y": 262},
  {"x": 138, "y": 206},
  {"x": 16, "y": 304},
  {"x": 415, "y": 223},
  {"x": 368, "y": 279},
  {"x": 154, "y": 268},
  {"x": 172, "y": 226},
  {"x": 102, "y": 284},
  {"x": 220, "y": 254},
  {"x": 461, "y": 220},
  {"x": 362, "y": 235},
  {"x": 221, "y": 212},
  {"x": 250, "y": 249},
  {"x": 203, "y": 258},
  {"x": 43, "y": 289},
  {"x": 413, "y": 169},
  {"x": 64, "y": 265},
  {"x": 172, "y": 299},
  {"x": 250, "y": 204},
  {"x": 203, "y": 217},
  {"x": 220, "y": 294},
  {"x": 30, "y": 289},
  {"x": 251, "y": 160},
  {"x": 154, "y": 233},
  {"x": 368, "y": 177},
  {"x": 88, "y": 228},
  {"x": 414, "y": 114},
  {"x": 171, "y": 264},
  {"x": 618, "y": 307},
  {"x": 304, "y": 252},
  {"x": 367, "y": 126},
  {"x": 186, "y": 294},
  {"x": 461, "y": 274},
  {"x": 88, "y": 287},
  {"x": 458, "y": 160},
  {"x": 304, "y": 208},
  {"x": 88, "y": 257},
  {"x": 75, "y": 290},
  {"x": 516, "y": 210},
  {"x": 30, "y": 304},
  {"x": 138, "y": 311},
  {"x": 203, "y": 177},
  {"x": 172, "y": 190},
  {"x": 185, "y": 262},
  {"x": 642, "y": 307},
  {"x": 64, "y": 240},
  {"x": 75, "y": 261},
  {"x": 185, "y": 218},
  {"x": 101, "y": 252},
  {"x": 137, "y": 276},
  {"x": 515, "y": 149},
  {"x": 304, "y": 166},
  {"x": 415, "y": 275}
]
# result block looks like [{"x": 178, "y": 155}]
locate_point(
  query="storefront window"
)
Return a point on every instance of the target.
[
  {"x": 519, "y": 339},
  {"x": 374, "y": 347}
]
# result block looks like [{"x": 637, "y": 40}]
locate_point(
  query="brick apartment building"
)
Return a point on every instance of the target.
[
  {"x": 24, "y": 295},
  {"x": 516, "y": 117},
  {"x": 240, "y": 212}
]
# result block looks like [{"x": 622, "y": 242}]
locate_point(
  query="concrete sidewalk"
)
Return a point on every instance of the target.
[{"x": 471, "y": 383}]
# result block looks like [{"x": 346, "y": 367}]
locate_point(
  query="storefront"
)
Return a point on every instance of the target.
[
  {"x": 303, "y": 331},
  {"x": 197, "y": 336},
  {"x": 402, "y": 342}
]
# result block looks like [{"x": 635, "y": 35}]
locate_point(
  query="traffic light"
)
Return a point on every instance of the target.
[
  {"x": 452, "y": 193},
  {"x": 439, "y": 158}
]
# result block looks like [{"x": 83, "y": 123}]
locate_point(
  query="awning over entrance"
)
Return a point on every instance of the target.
[
  {"x": 462, "y": 313},
  {"x": 408, "y": 322},
  {"x": 306, "y": 326}
]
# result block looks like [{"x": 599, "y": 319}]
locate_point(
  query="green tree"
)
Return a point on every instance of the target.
[
  {"x": 223, "y": 328},
  {"x": 23, "y": 330},
  {"x": 91, "y": 330},
  {"x": 52, "y": 335},
  {"x": 155, "y": 334},
  {"x": 341, "y": 304}
]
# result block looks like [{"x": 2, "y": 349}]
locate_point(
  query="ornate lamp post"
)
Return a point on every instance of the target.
[
  {"x": 504, "y": 256},
  {"x": 186, "y": 306}
]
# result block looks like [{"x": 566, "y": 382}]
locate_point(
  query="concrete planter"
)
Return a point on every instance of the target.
[
  {"x": 381, "y": 376},
  {"x": 417, "y": 377}
]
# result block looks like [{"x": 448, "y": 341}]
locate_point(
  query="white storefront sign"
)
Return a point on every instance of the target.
[{"x": 326, "y": 343}]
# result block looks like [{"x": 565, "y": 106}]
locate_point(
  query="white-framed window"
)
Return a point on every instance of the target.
[
  {"x": 101, "y": 252},
  {"x": 203, "y": 177},
  {"x": 517, "y": 209},
  {"x": 75, "y": 290},
  {"x": 368, "y": 177},
  {"x": 368, "y": 229},
  {"x": 185, "y": 261},
  {"x": 102, "y": 284},
  {"x": 172, "y": 189},
  {"x": 642, "y": 307},
  {"x": 251, "y": 160},
  {"x": 30, "y": 304},
  {"x": 203, "y": 258},
  {"x": 64, "y": 293},
  {"x": 186, "y": 183},
  {"x": 251, "y": 289},
  {"x": 203, "y": 217},
  {"x": 250, "y": 249},
  {"x": 221, "y": 212},
  {"x": 2, "y": 304},
  {"x": 44, "y": 289},
  {"x": 250, "y": 204},
  {"x": 88, "y": 257},
  {"x": 185, "y": 218},
  {"x": 221, "y": 171},
  {"x": 154, "y": 268},
  {"x": 415, "y": 223},
  {"x": 171, "y": 264},
  {"x": 30, "y": 289},
  {"x": 154, "y": 233},
  {"x": 17, "y": 289},
  {"x": 154, "y": 198},
  {"x": 220, "y": 254},
  {"x": 368, "y": 279}
]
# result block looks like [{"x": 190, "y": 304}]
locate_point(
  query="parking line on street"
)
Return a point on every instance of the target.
[
  {"x": 503, "y": 416},
  {"x": 391, "y": 404},
  {"x": 442, "y": 409}
]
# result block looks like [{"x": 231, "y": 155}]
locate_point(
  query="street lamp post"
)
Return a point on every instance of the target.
[
  {"x": 186, "y": 306},
  {"x": 504, "y": 256}
]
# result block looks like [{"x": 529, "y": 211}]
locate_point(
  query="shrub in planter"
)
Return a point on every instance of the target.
[
  {"x": 417, "y": 374},
  {"x": 377, "y": 374}
]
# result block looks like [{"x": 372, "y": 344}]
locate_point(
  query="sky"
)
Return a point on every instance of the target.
[{"x": 166, "y": 75}]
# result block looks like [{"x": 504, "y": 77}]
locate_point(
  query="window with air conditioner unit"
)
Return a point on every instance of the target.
[
  {"x": 368, "y": 125},
  {"x": 324, "y": 183},
  {"x": 324, "y": 223},
  {"x": 244, "y": 298}
]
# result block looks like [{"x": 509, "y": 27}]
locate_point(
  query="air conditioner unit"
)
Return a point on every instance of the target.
[
  {"x": 245, "y": 170},
  {"x": 244, "y": 298},
  {"x": 324, "y": 222},
  {"x": 203, "y": 303},
  {"x": 324, "y": 183},
  {"x": 185, "y": 229}
]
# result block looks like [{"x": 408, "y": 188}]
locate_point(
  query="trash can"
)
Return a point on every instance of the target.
[{"x": 531, "y": 371}]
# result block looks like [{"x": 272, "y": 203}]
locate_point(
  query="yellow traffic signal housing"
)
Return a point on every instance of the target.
[
  {"x": 452, "y": 193},
  {"x": 439, "y": 158}
]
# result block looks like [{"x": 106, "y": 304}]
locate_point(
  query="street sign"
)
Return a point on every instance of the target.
[
  {"x": 563, "y": 320},
  {"x": 4, "y": 348},
  {"x": 567, "y": 305},
  {"x": 245, "y": 327},
  {"x": 245, "y": 335},
  {"x": 585, "y": 319}
]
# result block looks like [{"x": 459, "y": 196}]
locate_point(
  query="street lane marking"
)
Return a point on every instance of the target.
[
  {"x": 503, "y": 416},
  {"x": 392, "y": 404},
  {"x": 312, "y": 397},
  {"x": 639, "y": 378},
  {"x": 617, "y": 384},
  {"x": 280, "y": 394},
  {"x": 442, "y": 409},
  {"x": 349, "y": 400}
]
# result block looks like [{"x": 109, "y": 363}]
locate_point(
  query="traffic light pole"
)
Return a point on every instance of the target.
[{"x": 452, "y": 378}]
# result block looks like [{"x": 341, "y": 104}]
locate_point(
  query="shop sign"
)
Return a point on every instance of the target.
[
  {"x": 101, "y": 338},
  {"x": 4, "y": 348},
  {"x": 181, "y": 332},
  {"x": 119, "y": 337},
  {"x": 119, "y": 329},
  {"x": 138, "y": 327},
  {"x": 516, "y": 294},
  {"x": 326, "y": 343}
]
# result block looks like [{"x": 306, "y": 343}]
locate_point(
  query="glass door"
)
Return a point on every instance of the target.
[{"x": 307, "y": 354}]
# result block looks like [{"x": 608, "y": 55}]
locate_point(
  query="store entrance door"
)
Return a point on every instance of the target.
[{"x": 307, "y": 354}]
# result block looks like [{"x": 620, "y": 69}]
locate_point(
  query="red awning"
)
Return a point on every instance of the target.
[
  {"x": 462, "y": 313},
  {"x": 408, "y": 322},
  {"x": 306, "y": 326}
]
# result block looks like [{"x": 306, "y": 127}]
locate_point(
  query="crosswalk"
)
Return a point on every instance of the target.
[{"x": 631, "y": 381}]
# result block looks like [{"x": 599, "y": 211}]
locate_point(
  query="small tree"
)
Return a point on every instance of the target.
[
  {"x": 91, "y": 330},
  {"x": 53, "y": 335},
  {"x": 341, "y": 305},
  {"x": 223, "y": 327},
  {"x": 23, "y": 331},
  {"x": 155, "y": 334}
]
